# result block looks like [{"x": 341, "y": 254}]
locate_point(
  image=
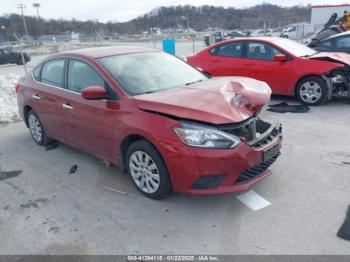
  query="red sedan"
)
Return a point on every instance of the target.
[
  {"x": 166, "y": 123},
  {"x": 288, "y": 67}
]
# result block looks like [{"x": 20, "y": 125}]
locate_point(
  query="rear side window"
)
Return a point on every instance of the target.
[
  {"x": 82, "y": 75},
  {"x": 53, "y": 73},
  {"x": 231, "y": 50}
]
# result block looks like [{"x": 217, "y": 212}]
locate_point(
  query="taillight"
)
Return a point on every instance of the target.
[{"x": 17, "y": 87}]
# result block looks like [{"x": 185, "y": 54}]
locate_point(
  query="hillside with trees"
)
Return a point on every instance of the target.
[{"x": 198, "y": 18}]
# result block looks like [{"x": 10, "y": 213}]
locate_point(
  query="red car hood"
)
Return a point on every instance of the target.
[
  {"x": 334, "y": 57},
  {"x": 218, "y": 100}
]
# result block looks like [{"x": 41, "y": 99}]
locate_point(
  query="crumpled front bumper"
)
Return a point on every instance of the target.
[{"x": 235, "y": 169}]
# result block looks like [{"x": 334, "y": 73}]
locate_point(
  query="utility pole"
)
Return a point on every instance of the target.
[{"x": 21, "y": 6}]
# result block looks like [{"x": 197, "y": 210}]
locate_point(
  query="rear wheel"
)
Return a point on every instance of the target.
[
  {"x": 147, "y": 170},
  {"x": 36, "y": 129},
  {"x": 19, "y": 61},
  {"x": 312, "y": 91}
]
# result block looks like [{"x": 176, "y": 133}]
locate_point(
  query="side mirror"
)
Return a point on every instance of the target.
[
  {"x": 94, "y": 93},
  {"x": 280, "y": 58}
]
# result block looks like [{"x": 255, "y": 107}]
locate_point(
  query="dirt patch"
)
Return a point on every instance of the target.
[
  {"x": 54, "y": 229},
  {"x": 9, "y": 174},
  {"x": 34, "y": 203}
]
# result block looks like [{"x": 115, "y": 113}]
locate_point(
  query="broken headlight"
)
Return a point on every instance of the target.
[
  {"x": 205, "y": 137},
  {"x": 338, "y": 77}
]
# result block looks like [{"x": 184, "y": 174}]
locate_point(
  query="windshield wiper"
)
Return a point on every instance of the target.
[{"x": 191, "y": 83}]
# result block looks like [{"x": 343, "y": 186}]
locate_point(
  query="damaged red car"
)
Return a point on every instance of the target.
[
  {"x": 288, "y": 67},
  {"x": 167, "y": 124}
]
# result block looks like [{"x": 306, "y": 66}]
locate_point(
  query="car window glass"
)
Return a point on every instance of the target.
[
  {"x": 261, "y": 51},
  {"x": 36, "y": 73},
  {"x": 231, "y": 49},
  {"x": 326, "y": 44},
  {"x": 52, "y": 72},
  {"x": 343, "y": 42},
  {"x": 82, "y": 75}
]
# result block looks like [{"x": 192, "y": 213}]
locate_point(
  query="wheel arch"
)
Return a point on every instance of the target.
[
  {"x": 128, "y": 140},
  {"x": 26, "y": 110}
]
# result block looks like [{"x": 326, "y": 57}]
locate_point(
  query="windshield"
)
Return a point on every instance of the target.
[
  {"x": 150, "y": 72},
  {"x": 294, "y": 47}
]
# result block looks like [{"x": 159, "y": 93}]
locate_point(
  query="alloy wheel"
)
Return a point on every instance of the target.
[
  {"x": 144, "y": 172},
  {"x": 35, "y": 128}
]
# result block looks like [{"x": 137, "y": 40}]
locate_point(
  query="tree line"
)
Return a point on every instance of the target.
[{"x": 174, "y": 17}]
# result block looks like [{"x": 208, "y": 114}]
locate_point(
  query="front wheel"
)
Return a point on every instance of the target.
[
  {"x": 147, "y": 170},
  {"x": 312, "y": 91}
]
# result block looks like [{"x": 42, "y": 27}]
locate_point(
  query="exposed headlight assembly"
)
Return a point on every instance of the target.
[
  {"x": 205, "y": 137},
  {"x": 338, "y": 77}
]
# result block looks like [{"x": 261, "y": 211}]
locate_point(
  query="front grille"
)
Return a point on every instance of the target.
[
  {"x": 245, "y": 130},
  {"x": 256, "y": 170},
  {"x": 255, "y": 131}
]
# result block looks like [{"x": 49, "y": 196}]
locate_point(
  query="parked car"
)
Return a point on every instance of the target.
[
  {"x": 170, "y": 126},
  {"x": 288, "y": 67},
  {"x": 218, "y": 37},
  {"x": 235, "y": 33},
  {"x": 336, "y": 43},
  {"x": 7, "y": 56}
]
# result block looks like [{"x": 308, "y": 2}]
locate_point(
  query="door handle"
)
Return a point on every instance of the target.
[
  {"x": 249, "y": 64},
  {"x": 36, "y": 97},
  {"x": 67, "y": 106}
]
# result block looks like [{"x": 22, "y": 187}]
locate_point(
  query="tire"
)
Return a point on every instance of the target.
[
  {"x": 147, "y": 170},
  {"x": 312, "y": 91},
  {"x": 37, "y": 130},
  {"x": 19, "y": 61}
]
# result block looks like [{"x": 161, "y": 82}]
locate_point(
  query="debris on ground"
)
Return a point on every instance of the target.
[
  {"x": 54, "y": 229},
  {"x": 284, "y": 107},
  {"x": 73, "y": 169},
  {"x": 34, "y": 203},
  {"x": 344, "y": 231},
  {"x": 8, "y": 98},
  {"x": 9, "y": 174},
  {"x": 118, "y": 191},
  {"x": 51, "y": 146}
]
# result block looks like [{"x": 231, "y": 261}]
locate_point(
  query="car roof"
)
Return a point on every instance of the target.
[
  {"x": 98, "y": 52},
  {"x": 255, "y": 38},
  {"x": 340, "y": 34}
]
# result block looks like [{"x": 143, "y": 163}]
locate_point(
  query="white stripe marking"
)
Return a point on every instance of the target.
[{"x": 253, "y": 200}]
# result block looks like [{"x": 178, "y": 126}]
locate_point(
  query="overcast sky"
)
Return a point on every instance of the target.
[{"x": 124, "y": 10}]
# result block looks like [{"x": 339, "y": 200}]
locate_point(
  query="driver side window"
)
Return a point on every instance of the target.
[
  {"x": 82, "y": 75},
  {"x": 261, "y": 51}
]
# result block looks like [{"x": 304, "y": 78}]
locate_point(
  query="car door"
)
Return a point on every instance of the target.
[
  {"x": 47, "y": 95},
  {"x": 226, "y": 59},
  {"x": 342, "y": 44},
  {"x": 89, "y": 124},
  {"x": 260, "y": 64}
]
